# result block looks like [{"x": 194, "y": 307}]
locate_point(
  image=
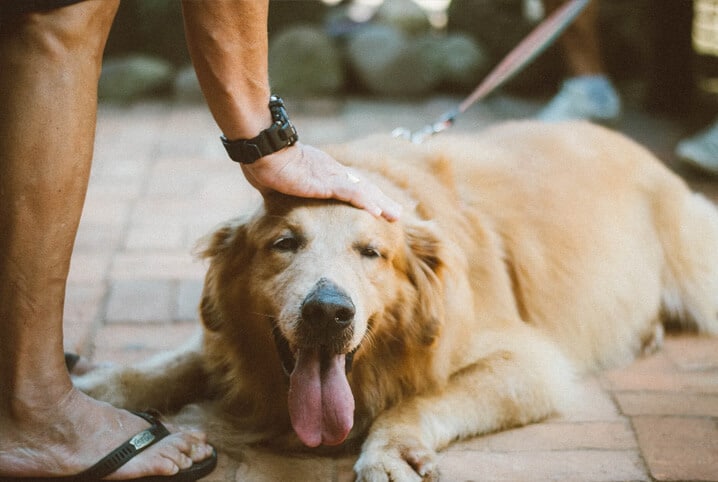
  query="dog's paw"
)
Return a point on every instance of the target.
[{"x": 405, "y": 461}]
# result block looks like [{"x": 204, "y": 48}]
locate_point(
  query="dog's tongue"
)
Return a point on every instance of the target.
[{"x": 321, "y": 405}]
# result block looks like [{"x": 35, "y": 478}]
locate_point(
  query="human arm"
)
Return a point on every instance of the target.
[{"x": 228, "y": 43}]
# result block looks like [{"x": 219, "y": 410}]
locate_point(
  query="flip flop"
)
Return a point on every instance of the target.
[{"x": 122, "y": 454}]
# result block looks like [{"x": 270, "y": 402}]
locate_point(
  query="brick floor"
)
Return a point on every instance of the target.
[{"x": 161, "y": 180}]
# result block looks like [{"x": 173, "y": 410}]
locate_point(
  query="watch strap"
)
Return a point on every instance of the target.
[{"x": 276, "y": 137}]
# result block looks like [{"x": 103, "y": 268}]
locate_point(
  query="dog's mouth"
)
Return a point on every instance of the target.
[
  {"x": 288, "y": 360},
  {"x": 321, "y": 404}
]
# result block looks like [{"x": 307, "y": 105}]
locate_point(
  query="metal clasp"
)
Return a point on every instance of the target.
[{"x": 444, "y": 122}]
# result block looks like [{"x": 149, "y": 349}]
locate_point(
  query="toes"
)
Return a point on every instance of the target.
[
  {"x": 177, "y": 457},
  {"x": 191, "y": 446},
  {"x": 199, "y": 452},
  {"x": 175, "y": 452},
  {"x": 154, "y": 461},
  {"x": 421, "y": 460}
]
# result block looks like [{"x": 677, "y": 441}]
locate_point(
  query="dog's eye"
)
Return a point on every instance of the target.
[
  {"x": 369, "y": 252},
  {"x": 286, "y": 243}
]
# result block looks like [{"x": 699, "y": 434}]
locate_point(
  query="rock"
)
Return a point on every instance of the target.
[
  {"x": 457, "y": 58},
  {"x": 186, "y": 86},
  {"x": 404, "y": 15},
  {"x": 499, "y": 26},
  {"x": 128, "y": 78},
  {"x": 304, "y": 61},
  {"x": 152, "y": 28},
  {"x": 388, "y": 63},
  {"x": 286, "y": 14}
]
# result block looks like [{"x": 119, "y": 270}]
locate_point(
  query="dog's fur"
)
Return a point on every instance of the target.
[{"x": 524, "y": 256}]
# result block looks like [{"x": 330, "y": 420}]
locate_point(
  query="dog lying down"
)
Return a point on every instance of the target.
[{"x": 525, "y": 255}]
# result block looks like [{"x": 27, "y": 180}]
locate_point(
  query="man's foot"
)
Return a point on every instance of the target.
[
  {"x": 590, "y": 97},
  {"x": 79, "y": 431},
  {"x": 701, "y": 150}
]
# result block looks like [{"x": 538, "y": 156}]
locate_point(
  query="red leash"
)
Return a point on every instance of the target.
[{"x": 523, "y": 54}]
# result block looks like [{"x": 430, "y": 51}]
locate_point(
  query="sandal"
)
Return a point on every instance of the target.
[{"x": 125, "y": 452}]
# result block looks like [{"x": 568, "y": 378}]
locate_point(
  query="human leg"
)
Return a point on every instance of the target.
[
  {"x": 587, "y": 93},
  {"x": 50, "y": 63}
]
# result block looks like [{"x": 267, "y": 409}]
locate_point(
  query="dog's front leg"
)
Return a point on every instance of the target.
[
  {"x": 165, "y": 382},
  {"x": 504, "y": 389}
]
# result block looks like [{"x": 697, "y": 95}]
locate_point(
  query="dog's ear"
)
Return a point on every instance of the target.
[
  {"x": 216, "y": 242},
  {"x": 424, "y": 266},
  {"x": 222, "y": 248},
  {"x": 209, "y": 313}
]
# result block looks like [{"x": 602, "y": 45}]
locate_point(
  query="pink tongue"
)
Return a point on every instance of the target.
[{"x": 321, "y": 404}]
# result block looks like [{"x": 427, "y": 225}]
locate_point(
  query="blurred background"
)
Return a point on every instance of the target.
[{"x": 661, "y": 54}]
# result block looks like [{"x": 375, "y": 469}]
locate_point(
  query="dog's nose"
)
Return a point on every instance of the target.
[{"x": 328, "y": 306}]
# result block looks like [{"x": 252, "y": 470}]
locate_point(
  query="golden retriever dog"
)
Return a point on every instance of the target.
[{"x": 525, "y": 256}]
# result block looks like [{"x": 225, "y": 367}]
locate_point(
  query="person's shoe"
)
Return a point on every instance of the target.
[
  {"x": 701, "y": 150},
  {"x": 591, "y": 97}
]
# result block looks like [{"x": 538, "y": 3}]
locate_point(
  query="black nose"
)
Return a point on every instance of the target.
[{"x": 327, "y": 306}]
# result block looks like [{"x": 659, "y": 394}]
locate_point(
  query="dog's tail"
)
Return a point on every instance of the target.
[{"x": 688, "y": 228}]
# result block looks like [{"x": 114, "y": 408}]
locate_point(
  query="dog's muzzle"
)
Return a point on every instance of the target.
[
  {"x": 326, "y": 314},
  {"x": 326, "y": 321}
]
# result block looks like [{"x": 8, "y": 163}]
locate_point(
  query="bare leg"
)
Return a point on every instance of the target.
[
  {"x": 580, "y": 42},
  {"x": 50, "y": 64}
]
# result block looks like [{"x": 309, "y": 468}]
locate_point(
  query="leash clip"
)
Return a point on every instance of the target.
[{"x": 444, "y": 122}]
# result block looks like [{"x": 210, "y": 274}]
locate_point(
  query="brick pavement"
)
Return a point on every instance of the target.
[{"x": 161, "y": 180}]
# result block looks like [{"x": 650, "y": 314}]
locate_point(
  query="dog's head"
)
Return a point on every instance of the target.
[{"x": 310, "y": 284}]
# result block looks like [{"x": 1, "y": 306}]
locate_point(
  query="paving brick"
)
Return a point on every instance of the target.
[
  {"x": 102, "y": 209},
  {"x": 679, "y": 448},
  {"x": 197, "y": 232},
  {"x": 93, "y": 237},
  {"x": 565, "y": 466},
  {"x": 594, "y": 404},
  {"x": 181, "y": 209},
  {"x": 175, "y": 177},
  {"x": 118, "y": 188},
  {"x": 693, "y": 353},
  {"x": 188, "y": 297},
  {"x": 668, "y": 403},
  {"x": 226, "y": 183},
  {"x": 126, "y": 343},
  {"x": 83, "y": 304},
  {"x": 155, "y": 236},
  {"x": 128, "y": 166},
  {"x": 89, "y": 267},
  {"x": 265, "y": 466},
  {"x": 140, "y": 301},
  {"x": 564, "y": 436},
  {"x": 162, "y": 265},
  {"x": 659, "y": 373}
]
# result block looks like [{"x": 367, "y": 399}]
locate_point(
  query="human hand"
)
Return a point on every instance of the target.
[{"x": 304, "y": 171}]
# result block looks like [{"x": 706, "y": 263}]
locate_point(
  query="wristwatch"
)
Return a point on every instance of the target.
[{"x": 276, "y": 137}]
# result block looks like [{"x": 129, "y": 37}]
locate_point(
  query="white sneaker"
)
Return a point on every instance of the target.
[
  {"x": 701, "y": 150},
  {"x": 590, "y": 97}
]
